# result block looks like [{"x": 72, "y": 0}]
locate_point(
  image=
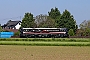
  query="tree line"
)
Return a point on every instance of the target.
[
  {"x": 84, "y": 28},
  {"x": 54, "y": 19}
]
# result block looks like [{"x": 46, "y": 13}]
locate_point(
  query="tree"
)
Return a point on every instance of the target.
[
  {"x": 55, "y": 14},
  {"x": 49, "y": 23},
  {"x": 28, "y": 21},
  {"x": 40, "y": 18},
  {"x": 67, "y": 21},
  {"x": 85, "y": 28},
  {"x": 64, "y": 20},
  {"x": 1, "y": 28},
  {"x": 71, "y": 32},
  {"x": 84, "y": 32},
  {"x": 87, "y": 32},
  {"x": 85, "y": 24}
]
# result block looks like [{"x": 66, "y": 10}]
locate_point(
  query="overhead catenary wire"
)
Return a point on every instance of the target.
[
  {"x": 19, "y": 17},
  {"x": 3, "y": 21}
]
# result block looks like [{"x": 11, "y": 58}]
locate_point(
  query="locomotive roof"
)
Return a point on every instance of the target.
[{"x": 44, "y": 28}]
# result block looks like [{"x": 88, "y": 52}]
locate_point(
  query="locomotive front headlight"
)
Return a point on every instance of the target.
[{"x": 33, "y": 30}]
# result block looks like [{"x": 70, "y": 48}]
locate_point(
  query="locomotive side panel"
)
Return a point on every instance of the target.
[{"x": 44, "y": 32}]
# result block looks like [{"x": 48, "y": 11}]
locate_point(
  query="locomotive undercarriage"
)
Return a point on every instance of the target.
[{"x": 44, "y": 35}]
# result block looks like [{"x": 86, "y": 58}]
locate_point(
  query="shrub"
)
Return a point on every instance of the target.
[
  {"x": 1, "y": 30},
  {"x": 17, "y": 33},
  {"x": 71, "y": 32}
]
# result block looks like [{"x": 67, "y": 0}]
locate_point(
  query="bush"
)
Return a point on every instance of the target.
[
  {"x": 17, "y": 33},
  {"x": 1, "y": 30},
  {"x": 71, "y": 32}
]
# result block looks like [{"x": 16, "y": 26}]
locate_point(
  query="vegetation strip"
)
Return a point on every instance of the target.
[
  {"x": 38, "y": 43},
  {"x": 48, "y": 39}
]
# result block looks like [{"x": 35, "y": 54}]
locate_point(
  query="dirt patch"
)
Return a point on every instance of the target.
[{"x": 44, "y": 53}]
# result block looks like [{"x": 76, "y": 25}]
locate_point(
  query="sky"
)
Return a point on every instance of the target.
[{"x": 15, "y": 9}]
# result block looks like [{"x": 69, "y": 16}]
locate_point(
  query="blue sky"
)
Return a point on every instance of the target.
[{"x": 15, "y": 9}]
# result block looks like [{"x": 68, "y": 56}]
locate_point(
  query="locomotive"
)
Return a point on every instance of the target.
[{"x": 43, "y": 32}]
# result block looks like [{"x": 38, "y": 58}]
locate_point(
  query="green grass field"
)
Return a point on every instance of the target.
[
  {"x": 37, "y": 43},
  {"x": 46, "y": 41}
]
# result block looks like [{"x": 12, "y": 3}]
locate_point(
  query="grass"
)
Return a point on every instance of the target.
[
  {"x": 48, "y": 39},
  {"x": 40, "y": 43}
]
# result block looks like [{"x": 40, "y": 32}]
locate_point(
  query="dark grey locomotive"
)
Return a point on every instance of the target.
[{"x": 44, "y": 32}]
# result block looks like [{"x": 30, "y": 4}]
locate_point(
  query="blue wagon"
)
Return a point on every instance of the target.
[{"x": 6, "y": 34}]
